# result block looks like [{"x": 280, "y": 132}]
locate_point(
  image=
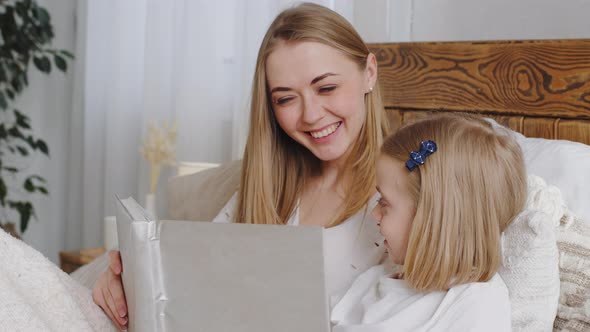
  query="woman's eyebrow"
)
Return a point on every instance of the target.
[
  {"x": 314, "y": 81},
  {"x": 377, "y": 187},
  {"x": 321, "y": 77},
  {"x": 279, "y": 88}
]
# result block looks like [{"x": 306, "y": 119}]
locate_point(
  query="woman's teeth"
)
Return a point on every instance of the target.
[{"x": 325, "y": 132}]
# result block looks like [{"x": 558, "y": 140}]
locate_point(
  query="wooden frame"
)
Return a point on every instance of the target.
[{"x": 538, "y": 88}]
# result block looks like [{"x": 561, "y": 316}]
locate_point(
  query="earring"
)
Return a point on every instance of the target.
[{"x": 371, "y": 89}]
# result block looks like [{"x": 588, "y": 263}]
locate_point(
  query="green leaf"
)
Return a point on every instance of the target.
[
  {"x": 26, "y": 211},
  {"x": 38, "y": 178},
  {"x": 3, "y": 132},
  {"x": 21, "y": 9},
  {"x": 29, "y": 186},
  {"x": 31, "y": 141},
  {"x": 3, "y": 191},
  {"x": 3, "y": 103},
  {"x": 22, "y": 120},
  {"x": 3, "y": 77},
  {"x": 23, "y": 151},
  {"x": 10, "y": 169},
  {"x": 67, "y": 54},
  {"x": 9, "y": 93},
  {"x": 16, "y": 85},
  {"x": 14, "y": 132},
  {"x": 41, "y": 145},
  {"x": 60, "y": 63},
  {"x": 43, "y": 64},
  {"x": 43, "y": 15}
]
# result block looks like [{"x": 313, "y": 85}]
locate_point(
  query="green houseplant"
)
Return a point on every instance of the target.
[{"x": 25, "y": 36}]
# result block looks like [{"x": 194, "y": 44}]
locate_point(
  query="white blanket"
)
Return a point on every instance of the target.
[{"x": 35, "y": 295}]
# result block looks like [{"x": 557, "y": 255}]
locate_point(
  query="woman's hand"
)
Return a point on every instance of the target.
[{"x": 108, "y": 292}]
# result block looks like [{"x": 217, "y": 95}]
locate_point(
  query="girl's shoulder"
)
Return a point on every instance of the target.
[
  {"x": 482, "y": 304},
  {"x": 495, "y": 287}
]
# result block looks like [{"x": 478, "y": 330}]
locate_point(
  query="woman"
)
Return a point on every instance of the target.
[{"x": 316, "y": 123}]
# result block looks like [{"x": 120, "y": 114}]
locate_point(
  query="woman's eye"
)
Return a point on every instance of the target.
[
  {"x": 284, "y": 100},
  {"x": 381, "y": 202},
  {"x": 328, "y": 88}
]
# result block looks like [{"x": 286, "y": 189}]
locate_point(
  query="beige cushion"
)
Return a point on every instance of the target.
[
  {"x": 530, "y": 260},
  {"x": 201, "y": 196},
  {"x": 573, "y": 241}
]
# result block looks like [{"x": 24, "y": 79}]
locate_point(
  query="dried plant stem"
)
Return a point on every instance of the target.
[{"x": 154, "y": 175}]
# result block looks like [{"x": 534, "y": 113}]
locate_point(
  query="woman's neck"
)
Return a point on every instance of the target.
[{"x": 332, "y": 176}]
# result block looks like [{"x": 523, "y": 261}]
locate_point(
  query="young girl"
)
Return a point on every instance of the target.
[{"x": 449, "y": 186}]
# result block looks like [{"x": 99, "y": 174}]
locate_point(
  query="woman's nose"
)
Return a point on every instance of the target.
[{"x": 312, "y": 111}]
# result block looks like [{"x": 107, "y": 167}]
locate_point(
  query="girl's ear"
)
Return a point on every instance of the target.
[{"x": 370, "y": 72}]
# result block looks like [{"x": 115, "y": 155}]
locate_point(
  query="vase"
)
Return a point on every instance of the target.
[{"x": 150, "y": 205}]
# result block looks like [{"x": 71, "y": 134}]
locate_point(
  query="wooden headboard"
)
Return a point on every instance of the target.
[{"x": 538, "y": 88}]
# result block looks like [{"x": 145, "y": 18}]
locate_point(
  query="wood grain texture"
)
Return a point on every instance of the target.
[
  {"x": 571, "y": 130},
  {"x": 549, "y": 128},
  {"x": 539, "y": 127},
  {"x": 548, "y": 78},
  {"x": 395, "y": 119},
  {"x": 515, "y": 123}
]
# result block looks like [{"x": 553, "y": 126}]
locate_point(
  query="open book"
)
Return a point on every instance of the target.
[{"x": 203, "y": 276}]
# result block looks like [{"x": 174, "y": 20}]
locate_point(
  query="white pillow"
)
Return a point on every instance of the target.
[
  {"x": 530, "y": 259},
  {"x": 561, "y": 163}
]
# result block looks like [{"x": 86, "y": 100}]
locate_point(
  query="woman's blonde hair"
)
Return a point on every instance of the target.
[
  {"x": 466, "y": 194},
  {"x": 275, "y": 166}
]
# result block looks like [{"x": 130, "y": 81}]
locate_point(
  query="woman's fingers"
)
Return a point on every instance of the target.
[
  {"x": 109, "y": 304},
  {"x": 108, "y": 292},
  {"x": 115, "y": 262},
  {"x": 100, "y": 296},
  {"x": 115, "y": 287},
  {"x": 112, "y": 309}
]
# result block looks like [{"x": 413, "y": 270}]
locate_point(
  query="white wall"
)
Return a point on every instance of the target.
[
  {"x": 48, "y": 101},
  {"x": 447, "y": 20}
]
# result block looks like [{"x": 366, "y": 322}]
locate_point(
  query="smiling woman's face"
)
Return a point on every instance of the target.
[{"x": 317, "y": 95}]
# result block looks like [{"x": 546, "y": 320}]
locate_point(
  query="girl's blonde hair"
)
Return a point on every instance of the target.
[
  {"x": 275, "y": 167},
  {"x": 466, "y": 194}
]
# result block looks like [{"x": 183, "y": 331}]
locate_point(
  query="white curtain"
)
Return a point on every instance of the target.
[{"x": 178, "y": 61}]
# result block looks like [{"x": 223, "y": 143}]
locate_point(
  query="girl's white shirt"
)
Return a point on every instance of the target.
[
  {"x": 349, "y": 248},
  {"x": 376, "y": 303}
]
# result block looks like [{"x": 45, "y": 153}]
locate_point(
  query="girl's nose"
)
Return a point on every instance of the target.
[{"x": 376, "y": 214}]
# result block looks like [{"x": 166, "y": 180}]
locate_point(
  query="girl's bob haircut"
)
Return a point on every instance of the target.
[{"x": 466, "y": 194}]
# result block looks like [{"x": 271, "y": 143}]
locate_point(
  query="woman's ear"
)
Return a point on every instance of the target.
[{"x": 371, "y": 72}]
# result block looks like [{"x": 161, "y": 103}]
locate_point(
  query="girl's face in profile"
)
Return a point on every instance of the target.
[
  {"x": 317, "y": 95},
  {"x": 396, "y": 210}
]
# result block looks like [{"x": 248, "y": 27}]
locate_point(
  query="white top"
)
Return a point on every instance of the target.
[
  {"x": 376, "y": 302},
  {"x": 349, "y": 248}
]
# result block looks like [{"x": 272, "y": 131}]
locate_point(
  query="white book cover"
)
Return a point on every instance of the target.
[{"x": 214, "y": 277}]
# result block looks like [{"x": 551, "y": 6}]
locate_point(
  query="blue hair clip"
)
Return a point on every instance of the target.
[{"x": 417, "y": 158}]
